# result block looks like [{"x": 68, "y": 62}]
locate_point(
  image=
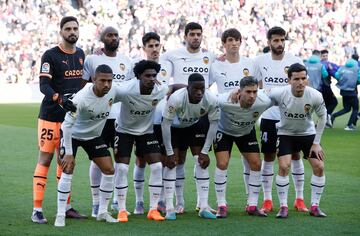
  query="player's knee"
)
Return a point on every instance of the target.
[
  {"x": 108, "y": 170},
  {"x": 222, "y": 165},
  {"x": 318, "y": 169},
  {"x": 268, "y": 157},
  {"x": 255, "y": 165},
  {"x": 284, "y": 168},
  {"x": 181, "y": 162}
]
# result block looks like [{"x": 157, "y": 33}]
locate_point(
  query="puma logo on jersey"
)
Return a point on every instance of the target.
[
  {"x": 195, "y": 69},
  {"x": 276, "y": 80},
  {"x": 265, "y": 68},
  {"x": 65, "y": 62},
  {"x": 222, "y": 73}
]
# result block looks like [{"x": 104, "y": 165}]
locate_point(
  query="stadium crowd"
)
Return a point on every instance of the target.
[{"x": 31, "y": 26}]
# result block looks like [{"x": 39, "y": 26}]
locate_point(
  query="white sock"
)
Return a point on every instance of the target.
[
  {"x": 162, "y": 193},
  {"x": 155, "y": 184},
  {"x": 121, "y": 184},
  {"x": 297, "y": 169},
  {"x": 196, "y": 184},
  {"x": 95, "y": 179},
  {"x": 317, "y": 188},
  {"x": 203, "y": 181},
  {"x": 220, "y": 179},
  {"x": 106, "y": 190},
  {"x": 139, "y": 178},
  {"x": 254, "y": 187},
  {"x": 267, "y": 171},
  {"x": 246, "y": 174},
  {"x": 64, "y": 188},
  {"x": 282, "y": 187},
  {"x": 179, "y": 184},
  {"x": 169, "y": 179}
]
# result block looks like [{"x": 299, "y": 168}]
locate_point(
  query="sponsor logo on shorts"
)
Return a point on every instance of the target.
[
  {"x": 45, "y": 68},
  {"x": 252, "y": 143},
  {"x": 199, "y": 135},
  {"x": 101, "y": 146},
  {"x": 42, "y": 143},
  {"x": 152, "y": 142}
]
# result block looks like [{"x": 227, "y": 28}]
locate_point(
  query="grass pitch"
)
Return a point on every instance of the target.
[{"x": 18, "y": 153}]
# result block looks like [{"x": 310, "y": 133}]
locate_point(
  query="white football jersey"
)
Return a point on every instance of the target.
[
  {"x": 137, "y": 110},
  {"x": 185, "y": 63},
  {"x": 237, "y": 121},
  {"x": 121, "y": 66},
  {"x": 91, "y": 114},
  {"x": 184, "y": 114},
  {"x": 273, "y": 73},
  {"x": 227, "y": 75},
  {"x": 296, "y": 112}
]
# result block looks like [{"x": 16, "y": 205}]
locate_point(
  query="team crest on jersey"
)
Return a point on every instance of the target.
[
  {"x": 246, "y": 72},
  {"x": 154, "y": 102},
  {"x": 163, "y": 72},
  {"x": 111, "y": 102},
  {"x": 206, "y": 60},
  {"x": 286, "y": 70},
  {"x": 255, "y": 114},
  {"x": 202, "y": 111},
  {"x": 307, "y": 108},
  {"x": 122, "y": 66},
  {"x": 171, "y": 109},
  {"x": 81, "y": 61},
  {"x": 45, "y": 68}
]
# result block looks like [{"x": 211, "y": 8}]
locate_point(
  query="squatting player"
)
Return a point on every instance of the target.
[
  {"x": 297, "y": 132},
  {"x": 237, "y": 121},
  {"x": 60, "y": 77},
  {"x": 83, "y": 129},
  {"x": 182, "y": 128}
]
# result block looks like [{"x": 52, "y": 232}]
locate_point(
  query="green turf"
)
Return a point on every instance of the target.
[{"x": 18, "y": 153}]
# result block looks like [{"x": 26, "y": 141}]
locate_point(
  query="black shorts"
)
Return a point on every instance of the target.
[
  {"x": 108, "y": 132},
  {"x": 158, "y": 135},
  {"x": 246, "y": 143},
  {"x": 294, "y": 144},
  {"x": 268, "y": 135},
  {"x": 144, "y": 144},
  {"x": 192, "y": 136},
  {"x": 94, "y": 148}
]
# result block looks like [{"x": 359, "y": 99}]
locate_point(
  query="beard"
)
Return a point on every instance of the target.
[
  {"x": 277, "y": 51},
  {"x": 72, "y": 39},
  {"x": 111, "y": 47}
]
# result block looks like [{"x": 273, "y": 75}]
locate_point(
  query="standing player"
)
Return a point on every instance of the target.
[
  {"x": 186, "y": 61},
  {"x": 328, "y": 95},
  {"x": 227, "y": 75},
  {"x": 151, "y": 47},
  {"x": 271, "y": 71},
  {"x": 135, "y": 125},
  {"x": 60, "y": 77},
  {"x": 122, "y": 71},
  {"x": 236, "y": 124},
  {"x": 84, "y": 128},
  {"x": 296, "y": 131},
  {"x": 182, "y": 128}
]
